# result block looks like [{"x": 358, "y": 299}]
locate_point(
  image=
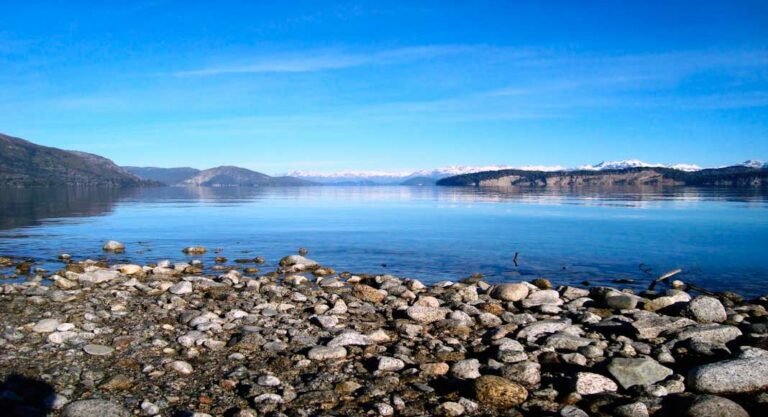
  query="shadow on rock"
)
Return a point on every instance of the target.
[{"x": 21, "y": 396}]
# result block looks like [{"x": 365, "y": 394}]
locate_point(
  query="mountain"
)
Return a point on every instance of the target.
[
  {"x": 230, "y": 176},
  {"x": 752, "y": 163},
  {"x": 634, "y": 163},
  {"x": 735, "y": 176},
  {"x": 167, "y": 176},
  {"x": 23, "y": 163},
  {"x": 420, "y": 181},
  {"x": 386, "y": 177}
]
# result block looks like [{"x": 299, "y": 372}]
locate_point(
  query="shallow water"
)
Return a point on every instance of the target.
[{"x": 718, "y": 237}]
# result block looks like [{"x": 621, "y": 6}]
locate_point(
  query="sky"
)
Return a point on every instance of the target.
[{"x": 327, "y": 86}]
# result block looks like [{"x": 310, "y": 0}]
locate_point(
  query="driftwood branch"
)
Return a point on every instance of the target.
[
  {"x": 515, "y": 258},
  {"x": 664, "y": 277}
]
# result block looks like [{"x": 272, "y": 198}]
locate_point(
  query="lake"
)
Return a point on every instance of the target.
[{"x": 718, "y": 237}]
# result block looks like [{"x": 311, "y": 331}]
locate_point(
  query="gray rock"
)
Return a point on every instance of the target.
[
  {"x": 98, "y": 350},
  {"x": 510, "y": 292},
  {"x": 113, "y": 246},
  {"x": 637, "y": 409},
  {"x": 573, "y": 411},
  {"x": 387, "y": 363},
  {"x": 542, "y": 297},
  {"x": 426, "y": 315},
  {"x": 731, "y": 376},
  {"x": 638, "y": 371},
  {"x": 710, "y": 333},
  {"x": 449, "y": 409},
  {"x": 181, "y": 367},
  {"x": 712, "y": 406},
  {"x": 94, "y": 408},
  {"x": 46, "y": 326},
  {"x": 466, "y": 369},
  {"x": 706, "y": 309},
  {"x": 525, "y": 373},
  {"x": 622, "y": 302},
  {"x": 564, "y": 341},
  {"x": 588, "y": 383},
  {"x": 533, "y": 331},
  {"x": 350, "y": 338},
  {"x": 181, "y": 288},
  {"x": 320, "y": 353},
  {"x": 651, "y": 325}
]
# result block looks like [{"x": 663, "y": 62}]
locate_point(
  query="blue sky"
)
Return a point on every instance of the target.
[{"x": 321, "y": 86}]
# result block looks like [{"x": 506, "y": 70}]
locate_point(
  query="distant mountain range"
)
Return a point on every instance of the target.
[
  {"x": 23, "y": 163},
  {"x": 734, "y": 176}
]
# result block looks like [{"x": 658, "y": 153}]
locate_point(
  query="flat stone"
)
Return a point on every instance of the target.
[
  {"x": 46, "y": 326},
  {"x": 495, "y": 391},
  {"x": 525, "y": 373},
  {"x": 706, "y": 309},
  {"x": 535, "y": 330},
  {"x": 730, "y": 377},
  {"x": 588, "y": 383},
  {"x": 368, "y": 293},
  {"x": 94, "y": 408},
  {"x": 712, "y": 406},
  {"x": 651, "y": 325},
  {"x": 319, "y": 353},
  {"x": 450, "y": 409},
  {"x": 98, "y": 350},
  {"x": 542, "y": 297},
  {"x": 434, "y": 369},
  {"x": 637, "y": 371},
  {"x": 350, "y": 338},
  {"x": 710, "y": 333},
  {"x": 622, "y": 302},
  {"x": 194, "y": 250},
  {"x": 510, "y": 292}
]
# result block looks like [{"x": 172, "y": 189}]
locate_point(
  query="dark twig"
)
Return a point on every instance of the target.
[
  {"x": 515, "y": 258},
  {"x": 664, "y": 277}
]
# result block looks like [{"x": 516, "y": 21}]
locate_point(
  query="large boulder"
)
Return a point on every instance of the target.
[
  {"x": 510, "y": 292},
  {"x": 712, "y": 406},
  {"x": 730, "y": 377},
  {"x": 706, "y": 309}
]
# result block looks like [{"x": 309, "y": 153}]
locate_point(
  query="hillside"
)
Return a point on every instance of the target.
[
  {"x": 230, "y": 176},
  {"x": 23, "y": 164},
  {"x": 167, "y": 176},
  {"x": 735, "y": 176}
]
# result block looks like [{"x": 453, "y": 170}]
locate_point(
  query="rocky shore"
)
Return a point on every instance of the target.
[{"x": 172, "y": 340}]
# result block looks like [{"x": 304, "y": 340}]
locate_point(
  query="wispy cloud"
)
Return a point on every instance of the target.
[{"x": 324, "y": 60}]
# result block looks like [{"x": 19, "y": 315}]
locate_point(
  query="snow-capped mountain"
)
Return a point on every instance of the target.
[
  {"x": 634, "y": 163},
  {"x": 397, "y": 177},
  {"x": 753, "y": 163}
]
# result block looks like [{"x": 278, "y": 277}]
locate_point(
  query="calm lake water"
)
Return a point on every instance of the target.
[{"x": 719, "y": 237}]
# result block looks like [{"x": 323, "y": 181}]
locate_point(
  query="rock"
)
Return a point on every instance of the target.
[
  {"x": 495, "y": 391},
  {"x": 525, "y": 373},
  {"x": 368, "y": 293},
  {"x": 46, "y": 326},
  {"x": 712, "y": 406},
  {"x": 181, "y": 288},
  {"x": 672, "y": 297},
  {"x": 638, "y": 371},
  {"x": 350, "y": 338},
  {"x": 94, "y": 408},
  {"x": 636, "y": 409},
  {"x": 542, "y": 297},
  {"x": 113, "y": 246},
  {"x": 268, "y": 381},
  {"x": 320, "y": 353},
  {"x": 622, "y": 302},
  {"x": 510, "y": 292},
  {"x": 295, "y": 263},
  {"x": 131, "y": 269},
  {"x": 181, "y": 367},
  {"x": 572, "y": 411},
  {"x": 466, "y": 369},
  {"x": 425, "y": 315},
  {"x": 542, "y": 283},
  {"x": 194, "y": 250},
  {"x": 61, "y": 337},
  {"x": 588, "y": 383},
  {"x": 533, "y": 331},
  {"x": 327, "y": 322},
  {"x": 434, "y": 369},
  {"x": 709, "y": 333},
  {"x": 651, "y": 325},
  {"x": 98, "y": 350},
  {"x": 387, "y": 363},
  {"x": 449, "y": 409},
  {"x": 118, "y": 382},
  {"x": 706, "y": 309},
  {"x": 730, "y": 377}
]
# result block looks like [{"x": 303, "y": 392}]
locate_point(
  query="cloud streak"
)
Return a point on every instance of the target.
[{"x": 325, "y": 60}]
